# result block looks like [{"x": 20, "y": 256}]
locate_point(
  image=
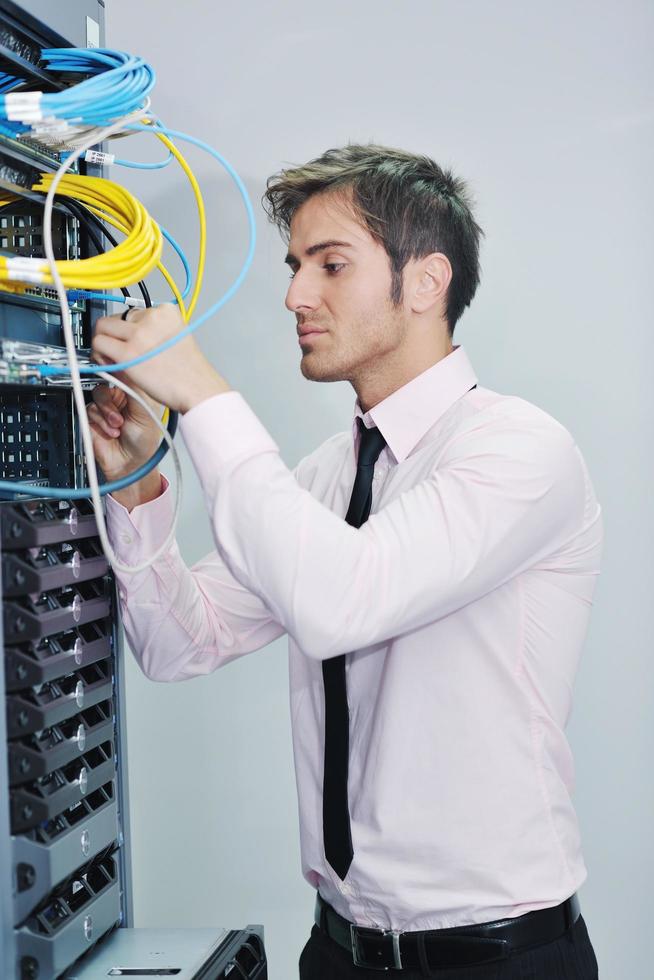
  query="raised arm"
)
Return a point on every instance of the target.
[
  {"x": 508, "y": 492},
  {"x": 180, "y": 622}
]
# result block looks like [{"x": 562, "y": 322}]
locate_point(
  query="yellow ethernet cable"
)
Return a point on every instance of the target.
[
  {"x": 201, "y": 215},
  {"x": 101, "y": 158},
  {"x": 128, "y": 263}
]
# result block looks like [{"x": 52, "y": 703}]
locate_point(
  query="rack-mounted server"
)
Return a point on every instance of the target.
[{"x": 65, "y": 881}]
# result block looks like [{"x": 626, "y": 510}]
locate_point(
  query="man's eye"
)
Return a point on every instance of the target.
[{"x": 332, "y": 267}]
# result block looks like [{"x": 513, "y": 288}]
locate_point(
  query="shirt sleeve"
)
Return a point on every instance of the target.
[
  {"x": 181, "y": 622},
  {"x": 508, "y": 491}
]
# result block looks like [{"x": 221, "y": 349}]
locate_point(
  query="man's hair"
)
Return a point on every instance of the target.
[{"x": 409, "y": 204}]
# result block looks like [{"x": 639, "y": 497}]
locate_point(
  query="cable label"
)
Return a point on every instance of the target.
[
  {"x": 96, "y": 156},
  {"x": 23, "y": 106},
  {"x": 25, "y": 269},
  {"x": 50, "y": 124}
]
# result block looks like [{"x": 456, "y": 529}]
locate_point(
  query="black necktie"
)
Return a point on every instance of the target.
[{"x": 335, "y": 810}]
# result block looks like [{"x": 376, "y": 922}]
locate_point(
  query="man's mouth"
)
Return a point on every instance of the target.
[{"x": 308, "y": 330}]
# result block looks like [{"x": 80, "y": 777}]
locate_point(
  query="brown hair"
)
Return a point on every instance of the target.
[{"x": 409, "y": 204}]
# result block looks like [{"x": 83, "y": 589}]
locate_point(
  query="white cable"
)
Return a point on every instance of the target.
[
  {"x": 112, "y": 379},
  {"x": 78, "y": 394},
  {"x": 60, "y": 135}
]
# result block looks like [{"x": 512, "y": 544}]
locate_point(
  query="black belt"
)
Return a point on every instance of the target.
[{"x": 379, "y": 949}]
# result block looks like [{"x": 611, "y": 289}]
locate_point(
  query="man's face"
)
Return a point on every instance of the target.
[{"x": 341, "y": 287}]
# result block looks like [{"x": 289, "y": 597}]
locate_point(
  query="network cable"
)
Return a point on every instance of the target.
[
  {"x": 116, "y": 76},
  {"x": 48, "y": 370},
  {"x": 136, "y": 165},
  {"x": 152, "y": 128},
  {"x": 129, "y": 261},
  {"x": 118, "y": 84},
  {"x": 8, "y": 82},
  {"x": 78, "y": 393},
  {"x": 117, "y": 218},
  {"x": 15, "y": 487},
  {"x": 148, "y": 124},
  {"x": 158, "y": 129},
  {"x": 16, "y": 274},
  {"x": 106, "y": 159},
  {"x": 76, "y": 294},
  {"x": 90, "y": 222},
  {"x": 155, "y": 126}
]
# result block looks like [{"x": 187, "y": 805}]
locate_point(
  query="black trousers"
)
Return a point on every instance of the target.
[{"x": 571, "y": 957}]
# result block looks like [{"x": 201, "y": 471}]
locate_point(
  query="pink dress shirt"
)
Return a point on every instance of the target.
[{"x": 462, "y": 603}]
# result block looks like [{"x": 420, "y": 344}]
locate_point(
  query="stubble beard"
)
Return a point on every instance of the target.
[
  {"x": 318, "y": 365},
  {"x": 378, "y": 337}
]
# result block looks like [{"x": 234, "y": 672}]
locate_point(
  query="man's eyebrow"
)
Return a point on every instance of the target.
[{"x": 318, "y": 247}]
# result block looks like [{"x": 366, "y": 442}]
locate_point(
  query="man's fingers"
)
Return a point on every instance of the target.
[
  {"x": 114, "y": 326},
  {"x": 111, "y": 350},
  {"x": 109, "y": 398},
  {"x": 111, "y": 403},
  {"x": 102, "y": 422},
  {"x": 107, "y": 349},
  {"x": 114, "y": 404}
]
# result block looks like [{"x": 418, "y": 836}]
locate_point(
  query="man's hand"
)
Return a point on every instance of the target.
[
  {"x": 124, "y": 435},
  {"x": 180, "y": 377}
]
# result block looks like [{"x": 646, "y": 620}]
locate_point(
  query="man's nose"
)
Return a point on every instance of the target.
[{"x": 301, "y": 295}]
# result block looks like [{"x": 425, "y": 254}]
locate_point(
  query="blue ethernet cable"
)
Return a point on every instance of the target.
[
  {"x": 45, "y": 370},
  {"x": 82, "y": 493},
  {"x": 145, "y": 166},
  {"x": 75, "y": 294},
  {"x": 8, "y": 82},
  {"x": 48, "y": 370},
  {"x": 159, "y": 165},
  {"x": 11, "y": 129},
  {"x": 117, "y": 84},
  {"x": 103, "y": 97}
]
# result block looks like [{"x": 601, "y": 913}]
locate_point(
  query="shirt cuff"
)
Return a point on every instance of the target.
[
  {"x": 135, "y": 535},
  {"x": 221, "y": 430}
]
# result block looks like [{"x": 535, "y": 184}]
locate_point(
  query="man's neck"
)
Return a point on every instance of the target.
[{"x": 378, "y": 385}]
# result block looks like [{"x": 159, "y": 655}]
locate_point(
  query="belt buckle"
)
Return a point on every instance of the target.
[{"x": 358, "y": 938}]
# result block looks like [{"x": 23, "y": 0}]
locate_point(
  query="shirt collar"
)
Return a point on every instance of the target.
[{"x": 406, "y": 415}]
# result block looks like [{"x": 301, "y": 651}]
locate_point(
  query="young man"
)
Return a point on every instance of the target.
[{"x": 434, "y": 632}]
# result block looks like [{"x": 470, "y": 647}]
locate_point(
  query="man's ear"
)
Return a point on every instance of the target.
[{"x": 430, "y": 277}]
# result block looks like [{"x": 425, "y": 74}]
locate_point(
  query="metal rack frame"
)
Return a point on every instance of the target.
[{"x": 66, "y": 900}]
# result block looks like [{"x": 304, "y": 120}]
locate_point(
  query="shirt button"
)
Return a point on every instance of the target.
[
  {"x": 347, "y": 889},
  {"x": 126, "y": 538},
  {"x": 122, "y": 596}
]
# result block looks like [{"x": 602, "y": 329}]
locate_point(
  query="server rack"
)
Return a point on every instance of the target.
[{"x": 65, "y": 880}]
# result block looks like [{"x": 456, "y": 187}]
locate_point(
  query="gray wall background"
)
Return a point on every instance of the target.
[{"x": 547, "y": 111}]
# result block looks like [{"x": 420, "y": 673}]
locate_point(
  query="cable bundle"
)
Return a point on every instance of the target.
[
  {"x": 7, "y": 82},
  {"x": 119, "y": 84},
  {"x": 121, "y": 211},
  {"x": 129, "y": 262}
]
